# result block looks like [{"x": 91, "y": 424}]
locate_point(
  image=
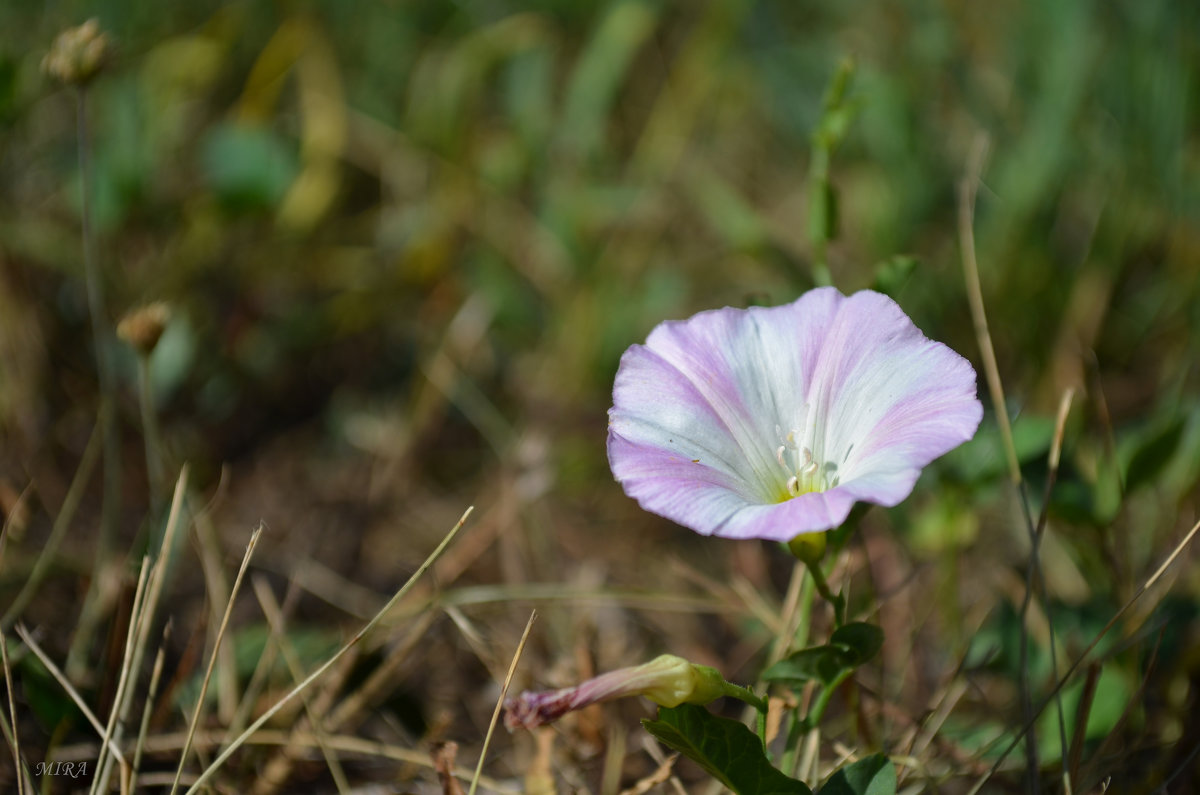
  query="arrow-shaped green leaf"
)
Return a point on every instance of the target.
[{"x": 729, "y": 751}]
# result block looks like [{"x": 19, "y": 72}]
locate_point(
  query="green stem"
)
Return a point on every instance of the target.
[
  {"x": 798, "y": 727},
  {"x": 792, "y": 747},
  {"x": 804, "y": 625},
  {"x": 744, "y": 694},
  {"x": 836, "y": 600},
  {"x": 817, "y": 710}
]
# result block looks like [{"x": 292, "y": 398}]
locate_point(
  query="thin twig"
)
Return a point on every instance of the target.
[
  {"x": 218, "y": 588},
  {"x": 66, "y": 513},
  {"x": 69, "y": 689},
  {"x": 262, "y": 671},
  {"x": 346, "y": 744},
  {"x": 271, "y": 609},
  {"x": 212, "y": 660},
  {"x": 103, "y": 763},
  {"x": 143, "y": 619},
  {"x": 512, "y": 667},
  {"x": 966, "y": 229},
  {"x": 966, "y": 233},
  {"x": 1034, "y": 571},
  {"x": 1147, "y": 585},
  {"x": 223, "y": 757},
  {"x": 18, "y": 764},
  {"x": 372, "y": 690},
  {"x": 148, "y": 709}
]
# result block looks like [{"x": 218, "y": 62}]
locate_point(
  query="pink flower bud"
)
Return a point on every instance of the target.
[{"x": 667, "y": 681}]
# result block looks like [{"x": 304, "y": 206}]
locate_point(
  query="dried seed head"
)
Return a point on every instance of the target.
[
  {"x": 142, "y": 327},
  {"x": 78, "y": 54}
]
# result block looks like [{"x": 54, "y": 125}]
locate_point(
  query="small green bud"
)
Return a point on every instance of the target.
[
  {"x": 808, "y": 547},
  {"x": 674, "y": 681}
]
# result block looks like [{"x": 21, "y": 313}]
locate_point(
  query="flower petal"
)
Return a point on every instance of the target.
[
  {"x": 700, "y": 410},
  {"x": 892, "y": 400}
]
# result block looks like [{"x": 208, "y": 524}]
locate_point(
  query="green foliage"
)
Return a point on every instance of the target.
[
  {"x": 52, "y": 707},
  {"x": 734, "y": 756},
  {"x": 514, "y": 193},
  {"x": 892, "y": 274},
  {"x": 1151, "y": 454},
  {"x": 249, "y": 168},
  {"x": 874, "y": 775},
  {"x": 729, "y": 751},
  {"x": 850, "y": 646}
]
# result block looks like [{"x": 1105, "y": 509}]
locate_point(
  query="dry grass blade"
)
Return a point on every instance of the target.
[
  {"x": 70, "y": 690},
  {"x": 966, "y": 229},
  {"x": 357, "y": 703},
  {"x": 500, "y": 702},
  {"x": 271, "y": 609},
  {"x": 14, "y": 512},
  {"x": 1082, "y": 711},
  {"x": 145, "y": 617},
  {"x": 656, "y": 778},
  {"x": 212, "y": 660},
  {"x": 1066, "y": 677},
  {"x": 556, "y": 592},
  {"x": 15, "y": 739},
  {"x": 953, "y": 692},
  {"x": 217, "y": 584},
  {"x": 223, "y": 757},
  {"x": 262, "y": 672},
  {"x": 790, "y": 618},
  {"x": 443, "y": 755},
  {"x": 148, "y": 709},
  {"x": 58, "y": 531},
  {"x": 345, "y": 744},
  {"x": 103, "y": 763},
  {"x": 966, "y": 234}
]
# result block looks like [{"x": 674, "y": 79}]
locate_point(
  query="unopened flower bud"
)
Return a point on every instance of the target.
[
  {"x": 78, "y": 54},
  {"x": 143, "y": 327},
  {"x": 667, "y": 681}
]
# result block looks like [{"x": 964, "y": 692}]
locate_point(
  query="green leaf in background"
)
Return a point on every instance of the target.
[
  {"x": 862, "y": 640},
  {"x": 948, "y": 522},
  {"x": 823, "y": 211},
  {"x": 822, "y": 663},
  {"x": 250, "y": 168},
  {"x": 893, "y": 273},
  {"x": 729, "y": 751},
  {"x": 849, "y": 647},
  {"x": 1152, "y": 452},
  {"x": 597, "y": 77},
  {"x": 50, "y": 705},
  {"x": 874, "y": 775},
  {"x": 981, "y": 461}
]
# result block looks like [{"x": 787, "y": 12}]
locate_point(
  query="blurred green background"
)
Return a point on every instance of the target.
[{"x": 406, "y": 243}]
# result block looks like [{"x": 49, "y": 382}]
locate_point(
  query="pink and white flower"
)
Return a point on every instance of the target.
[
  {"x": 771, "y": 422},
  {"x": 666, "y": 680}
]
